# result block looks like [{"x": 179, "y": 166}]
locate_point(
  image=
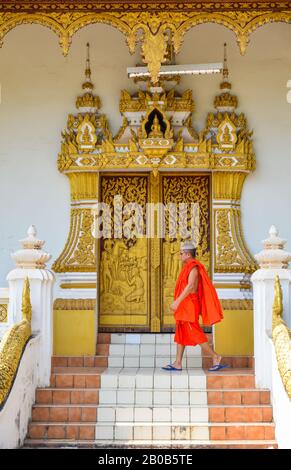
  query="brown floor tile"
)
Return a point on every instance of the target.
[
  {"x": 87, "y": 432},
  {"x": 61, "y": 396},
  {"x": 40, "y": 413},
  {"x": 44, "y": 396},
  {"x": 217, "y": 432},
  {"x": 231, "y": 398},
  {"x": 56, "y": 432},
  {"x": 58, "y": 414}
]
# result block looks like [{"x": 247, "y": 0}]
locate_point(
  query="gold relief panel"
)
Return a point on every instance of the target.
[
  {"x": 124, "y": 272},
  {"x": 190, "y": 189}
]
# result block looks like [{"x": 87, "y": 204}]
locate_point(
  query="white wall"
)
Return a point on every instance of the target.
[{"x": 39, "y": 87}]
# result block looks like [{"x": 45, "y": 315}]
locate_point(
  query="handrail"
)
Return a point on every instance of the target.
[
  {"x": 281, "y": 338},
  {"x": 13, "y": 344}
]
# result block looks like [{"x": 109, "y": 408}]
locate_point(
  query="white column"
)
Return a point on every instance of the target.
[
  {"x": 273, "y": 261},
  {"x": 30, "y": 262}
]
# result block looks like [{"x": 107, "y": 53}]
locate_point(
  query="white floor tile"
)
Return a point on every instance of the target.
[
  {"x": 199, "y": 414},
  {"x": 163, "y": 350},
  {"x": 115, "y": 361},
  {"x": 143, "y": 433},
  {"x": 143, "y": 397},
  {"x": 161, "y": 414},
  {"x": 107, "y": 397},
  {"x": 148, "y": 339},
  {"x": 200, "y": 432},
  {"x": 117, "y": 338},
  {"x": 162, "y": 398},
  {"x": 163, "y": 339},
  {"x": 132, "y": 349},
  {"x": 123, "y": 432},
  {"x": 126, "y": 381},
  {"x": 132, "y": 338},
  {"x": 131, "y": 361},
  {"x": 124, "y": 414},
  {"x": 181, "y": 415},
  {"x": 198, "y": 398},
  {"x": 180, "y": 398},
  {"x": 162, "y": 433},
  {"x": 116, "y": 350},
  {"x": 144, "y": 381},
  {"x": 147, "y": 350},
  {"x": 143, "y": 414},
  {"x": 147, "y": 361},
  {"x": 180, "y": 380},
  {"x": 109, "y": 381},
  {"x": 103, "y": 432},
  {"x": 105, "y": 414},
  {"x": 125, "y": 397},
  {"x": 162, "y": 380}
]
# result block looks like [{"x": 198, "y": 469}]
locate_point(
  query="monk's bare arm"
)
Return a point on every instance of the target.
[{"x": 191, "y": 287}]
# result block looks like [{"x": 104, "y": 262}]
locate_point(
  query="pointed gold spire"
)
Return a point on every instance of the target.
[
  {"x": 225, "y": 101},
  {"x": 88, "y": 100}
]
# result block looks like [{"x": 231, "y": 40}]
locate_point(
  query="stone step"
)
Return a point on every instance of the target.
[
  {"x": 154, "y": 444},
  {"x": 95, "y": 361},
  {"x": 78, "y": 377},
  {"x": 148, "y": 431},
  {"x": 140, "y": 338},
  {"x": 216, "y": 413},
  {"x": 47, "y": 396}
]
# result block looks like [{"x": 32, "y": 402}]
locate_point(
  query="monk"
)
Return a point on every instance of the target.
[{"x": 194, "y": 295}]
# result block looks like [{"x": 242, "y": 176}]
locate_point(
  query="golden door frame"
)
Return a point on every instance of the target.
[{"x": 157, "y": 319}]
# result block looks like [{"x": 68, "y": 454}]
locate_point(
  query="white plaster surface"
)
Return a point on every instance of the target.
[{"x": 39, "y": 87}]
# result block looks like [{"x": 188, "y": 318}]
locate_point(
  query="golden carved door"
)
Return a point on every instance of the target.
[{"x": 137, "y": 274}]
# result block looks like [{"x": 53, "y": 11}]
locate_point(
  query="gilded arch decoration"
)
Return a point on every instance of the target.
[{"x": 147, "y": 27}]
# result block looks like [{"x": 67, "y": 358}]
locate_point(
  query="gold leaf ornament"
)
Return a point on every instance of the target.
[{"x": 154, "y": 48}]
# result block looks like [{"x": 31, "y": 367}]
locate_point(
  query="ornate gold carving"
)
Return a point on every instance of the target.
[
  {"x": 228, "y": 185},
  {"x": 123, "y": 265},
  {"x": 236, "y": 304},
  {"x": 74, "y": 304},
  {"x": 86, "y": 136},
  {"x": 83, "y": 186},
  {"x": 154, "y": 48},
  {"x": 184, "y": 189},
  {"x": 153, "y": 25},
  {"x": 281, "y": 338},
  {"x": 226, "y": 136},
  {"x": 155, "y": 254},
  {"x": 3, "y": 313},
  {"x": 230, "y": 252},
  {"x": 13, "y": 344},
  {"x": 79, "y": 254}
]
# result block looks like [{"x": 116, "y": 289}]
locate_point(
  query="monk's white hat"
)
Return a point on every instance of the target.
[{"x": 188, "y": 246}]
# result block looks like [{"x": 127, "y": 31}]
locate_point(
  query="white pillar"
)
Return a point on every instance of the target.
[
  {"x": 273, "y": 261},
  {"x": 30, "y": 262}
]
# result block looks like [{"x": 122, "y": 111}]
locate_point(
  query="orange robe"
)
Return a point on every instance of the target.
[{"x": 204, "y": 302}]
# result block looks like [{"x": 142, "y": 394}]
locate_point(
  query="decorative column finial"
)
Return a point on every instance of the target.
[
  {"x": 31, "y": 256},
  {"x": 273, "y": 256}
]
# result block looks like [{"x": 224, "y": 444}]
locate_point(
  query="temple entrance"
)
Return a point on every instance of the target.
[{"x": 138, "y": 273}]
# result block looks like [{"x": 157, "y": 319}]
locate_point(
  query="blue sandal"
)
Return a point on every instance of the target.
[
  {"x": 217, "y": 367},
  {"x": 170, "y": 367}
]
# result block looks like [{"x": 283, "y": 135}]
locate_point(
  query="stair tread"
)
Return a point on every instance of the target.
[{"x": 153, "y": 423}]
